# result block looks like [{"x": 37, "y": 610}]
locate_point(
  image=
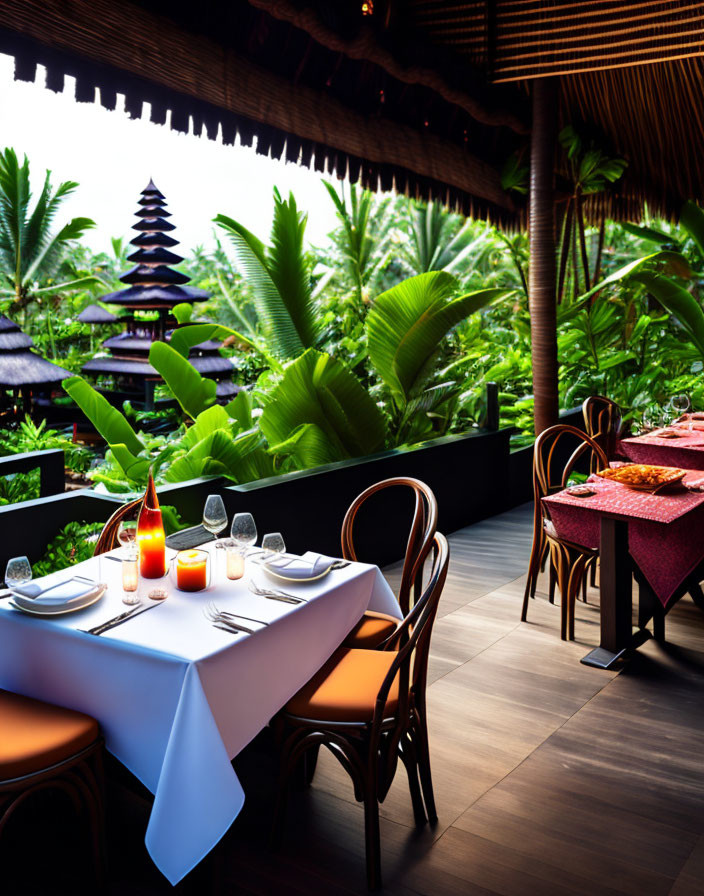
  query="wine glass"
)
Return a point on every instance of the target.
[
  {"x": 127, "y": 534},
  {"x": 681, "y": 404},
  {"x": 18, "y": 572},
  {"x": 244, "y": 531},
  {"x": 215, "y": 515},
  {"x": 273, "y": 545}
]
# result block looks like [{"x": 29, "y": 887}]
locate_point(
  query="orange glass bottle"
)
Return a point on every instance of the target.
[{"x": 151, "y": 538}]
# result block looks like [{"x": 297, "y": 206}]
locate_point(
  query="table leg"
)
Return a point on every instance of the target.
[{"x": 615, "y": 597}]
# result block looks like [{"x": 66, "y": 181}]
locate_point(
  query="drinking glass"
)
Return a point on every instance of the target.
[
  {"x": 214, "y": 515},
  {"x": 127, "y": 534},
  {"x": 273, "y": 545},
  {"x": 18, "y": 572},
  {"x": 244, "y": 531},
  {"x": 681, "y": 404},
  {"x": 130, "y": 575}
]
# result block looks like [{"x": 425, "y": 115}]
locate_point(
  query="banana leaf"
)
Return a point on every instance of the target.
[
  {"x": 648, "y": 233},
  {"x": 673, "y": 261},
  {"x": 183, "y": 340},
  {"x": 318, "y": 389},
  {"x": 680, "y": 303},
  {"x": 241, "y": 459},
  {"x": 308, "y": 446},
  {"x": 192, "y": 391},
  {"x": 206, "y": 423},
  {"x": 110, "y": 423},
  {"x": 692, "y": 219},
  {"x": 407, "y": 323}
]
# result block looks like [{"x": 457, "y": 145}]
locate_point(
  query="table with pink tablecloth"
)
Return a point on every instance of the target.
[
  {"x": 686, "y": 451},
  {"x": 665, "y": 531}
]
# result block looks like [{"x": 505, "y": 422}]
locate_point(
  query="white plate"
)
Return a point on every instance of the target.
[
  {"x": 297, "y": 579},
  {"x": 27, "y": 605}
]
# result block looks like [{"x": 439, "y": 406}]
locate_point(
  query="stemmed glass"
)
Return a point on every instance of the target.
[
  {"x": 214, "y": 516},
  {"x": 127, "y": 534},
  {"x": 18, "y": 572},
  {"x": 273, "y": 545},
  {"x": 244, "y": 531},
  {"x": 681, "y": 404}
]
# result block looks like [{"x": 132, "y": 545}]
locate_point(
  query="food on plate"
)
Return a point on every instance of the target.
[{"x": 645, "y": 476}]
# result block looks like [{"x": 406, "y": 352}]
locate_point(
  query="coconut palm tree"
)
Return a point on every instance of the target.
[{"x": 31, "y": 252}]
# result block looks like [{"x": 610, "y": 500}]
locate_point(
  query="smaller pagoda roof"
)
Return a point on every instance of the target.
[
  {"x": 151, "y": 188},
  {"x": 19, "y": 366},
  {"x": 94, "y": 314},
  {"x": 158, "y": 274},
  {"x": 211, "y": 366},
  {"x": 13, "y": 340},
  {"x": 154, "y": 239},
  {"x": 168, "y": 296},
  {"x": 6, "y": 324},
  {"x": 157, "y": 255},
  {"x": 153, "y": 224},
  {"x": 152, "y": 211},
  {"x": 153, "y": 201},
  {"x": 125, "y": 342}
]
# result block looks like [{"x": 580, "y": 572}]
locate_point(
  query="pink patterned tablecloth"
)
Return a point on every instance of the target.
[
  {"x": 686, "y": 452},
  {"x": 665, "y": 532}
]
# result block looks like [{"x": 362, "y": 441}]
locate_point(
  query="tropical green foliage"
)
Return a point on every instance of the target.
[{"x": 30, "y": 251}]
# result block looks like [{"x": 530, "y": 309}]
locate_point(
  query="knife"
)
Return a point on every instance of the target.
[{"x": 118, "y": 620}]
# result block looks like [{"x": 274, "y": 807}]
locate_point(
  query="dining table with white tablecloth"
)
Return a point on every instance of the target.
[{"x": 177, "y": 698}]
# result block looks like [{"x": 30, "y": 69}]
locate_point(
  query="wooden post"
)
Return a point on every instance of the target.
[{"x": 543, "y": 273}]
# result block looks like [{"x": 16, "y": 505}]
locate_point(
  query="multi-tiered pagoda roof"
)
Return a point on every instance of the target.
[
  {"x": 154, "y": 286},
  {"x": 20, "y": 366}
]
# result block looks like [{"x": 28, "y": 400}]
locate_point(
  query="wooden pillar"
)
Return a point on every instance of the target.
[{"x": 543, "y": 263}]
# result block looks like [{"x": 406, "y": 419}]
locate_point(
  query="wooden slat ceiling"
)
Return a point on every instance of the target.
[
  {"x": 235, "y": 70},
  {"x": 631, "y": 77},
  {"x": 519, "y": 39}
]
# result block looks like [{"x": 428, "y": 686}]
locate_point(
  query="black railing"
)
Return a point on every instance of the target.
[{"x": 50, "y": 464}]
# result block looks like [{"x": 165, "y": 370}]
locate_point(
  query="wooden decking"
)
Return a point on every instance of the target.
[{"x": 550, "y": 777}]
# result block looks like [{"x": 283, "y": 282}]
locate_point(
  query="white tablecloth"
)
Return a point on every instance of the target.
[{"x": 176, "y": 698}]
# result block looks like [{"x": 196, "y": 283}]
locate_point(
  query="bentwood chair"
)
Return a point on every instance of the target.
[
  {"x": 603, "y": 421},
  {"x": 46, "y": 747},
  {"x": 375, "y": 628},
  {"x": 107, "y": 540},
  {"x": 552, "y": 468},
  {"x": 366, "y": 707}
]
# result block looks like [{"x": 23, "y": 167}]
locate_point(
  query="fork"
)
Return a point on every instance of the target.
[
  {"x": 215, "y": 611},
  {"x": 220, "y": 621},
  {"x": 275, "y": 594}
]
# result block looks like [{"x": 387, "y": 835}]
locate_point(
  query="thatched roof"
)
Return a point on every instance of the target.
[
  {"x": 428, "y": 96},
  {"x": 94, "y": 314},
  {"x": 19, "y": 366}
]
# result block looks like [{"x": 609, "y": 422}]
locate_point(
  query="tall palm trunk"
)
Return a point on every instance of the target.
[{"x": 543, "y": 305}]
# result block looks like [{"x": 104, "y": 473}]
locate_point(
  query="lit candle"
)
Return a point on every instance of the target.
[
  {"x": 235, "y": 563},
  {"x": 150, "y": 536},
  {"x": 191, "y": 570}
]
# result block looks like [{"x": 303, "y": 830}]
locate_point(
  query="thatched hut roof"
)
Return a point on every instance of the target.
[
  {"x": 427, "y": 96},
  {"x": 19, "y": 366},
  {"x": 94, "y": 314}
]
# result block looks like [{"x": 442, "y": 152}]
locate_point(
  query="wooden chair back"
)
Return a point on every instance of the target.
[
  {"x": 550, "y": 472},
  {"x": 410, "y": 664},
  {"x": 603, "y": 421},
  {"x": 423, "y": 526},
  {"x": 107, "y": 540}
]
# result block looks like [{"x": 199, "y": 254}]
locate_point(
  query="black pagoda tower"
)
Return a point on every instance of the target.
[{"x": 153, "y": 286}]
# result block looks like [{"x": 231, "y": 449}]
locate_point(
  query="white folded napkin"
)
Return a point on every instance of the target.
[
  {"x": 292, "y": 566},
  {"x": 58, "y": 593}
]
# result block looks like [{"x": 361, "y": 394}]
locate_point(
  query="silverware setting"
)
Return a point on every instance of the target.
[
  {"x": 136, "y": 610},
  {"x": 212, "y": 611},
  {"x": 225, "y": 622},
  {"x": 275, "y": 594}
]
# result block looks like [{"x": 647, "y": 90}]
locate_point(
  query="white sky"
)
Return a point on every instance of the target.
[{"x": 112, "y": 157}]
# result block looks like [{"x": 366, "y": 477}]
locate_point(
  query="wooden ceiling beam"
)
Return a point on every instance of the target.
[{"x": 126, "y": 38}]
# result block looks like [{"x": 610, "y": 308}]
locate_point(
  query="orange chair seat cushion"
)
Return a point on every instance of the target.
[
  {"x": 36, "y": 735},
  {"x": 346, "y": 687},
  {"x": 371, "y": 630}
]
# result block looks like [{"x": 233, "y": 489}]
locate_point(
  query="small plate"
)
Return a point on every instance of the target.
[
  {"x": 294, "y": 581},
  {"x": 27, "y": 605}
]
